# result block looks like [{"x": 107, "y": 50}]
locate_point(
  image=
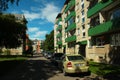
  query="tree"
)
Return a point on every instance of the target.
[
  {"x": 49, "y": 42},
  {"x": 4, "y": 4},
  {"x": 30, "y": 48},
  {"x": 11, "y": 32}
]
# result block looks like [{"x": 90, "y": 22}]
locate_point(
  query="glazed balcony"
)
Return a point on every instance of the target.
[
  {"x": 70, "y": 4},
  {"x": 70, "y": 15},
  {"x": 59, "y": 35},
  {"x": 71, "y": 27},
  {"x": 59, "y": 19},
  {"x": 59, "y": 27},
  {"x": 105, "y": 27},
  {"x": 98, "y": 7},
  {"x": 70, "y": 39}
]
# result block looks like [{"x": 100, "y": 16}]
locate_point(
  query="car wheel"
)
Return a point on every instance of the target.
[{"x": 64, "y": 72}]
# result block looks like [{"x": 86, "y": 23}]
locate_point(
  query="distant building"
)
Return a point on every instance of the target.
[
  {"x": 20, "y": 18},
  {"x": 36, "y": 45}
]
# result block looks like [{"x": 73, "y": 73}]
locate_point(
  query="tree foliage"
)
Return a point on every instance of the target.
[
  {"x": 11, "y": 32},
  {"x": 4, "y": 4},
  {"x": 48, "y": 44}
]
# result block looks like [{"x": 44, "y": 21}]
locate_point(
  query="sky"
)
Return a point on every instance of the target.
[{"x": 40, "y": 15}]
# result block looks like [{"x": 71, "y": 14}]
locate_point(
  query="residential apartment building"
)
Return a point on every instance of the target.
[
  {"x": 71, "y": 28},
  {"x": 20, "y": 18},
  {"x": 90, "y": 28},
  {"x": 104, "y": 30}
]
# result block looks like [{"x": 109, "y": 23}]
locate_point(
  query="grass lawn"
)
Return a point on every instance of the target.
[
  {"x": 104, "y": 69},
  {"x": 11, "y": 57},
  {"x": 8, "y": 63}
]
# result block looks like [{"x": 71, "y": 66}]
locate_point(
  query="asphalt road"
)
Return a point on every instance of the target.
[{"x": 38, "y": 68}]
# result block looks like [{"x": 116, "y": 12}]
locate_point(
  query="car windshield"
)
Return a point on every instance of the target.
[
  {"x": 58, "y": 54},
  {"x": 75, "y": 58}
]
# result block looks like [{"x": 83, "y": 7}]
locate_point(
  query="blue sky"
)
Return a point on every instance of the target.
[{"x": 40, "y": 15}]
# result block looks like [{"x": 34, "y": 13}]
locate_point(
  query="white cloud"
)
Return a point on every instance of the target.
[
  {"x": 31, "y": 16},
  {"x": 33, "y": 29},
  {"x": 40, "y": 33},
  {"x": 35, "y": 33},
  {"x": 15, "y": 12},
  {"x": 49, "y": 12}
]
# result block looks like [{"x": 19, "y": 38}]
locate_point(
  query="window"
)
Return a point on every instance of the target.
[
  {"x": 75, "y": 58},
  {"x": 82, "y": 12},
  {"x": 82, "y": 6},
  {"x": 90, "y": 43},
  {"x": 78, "y": 19},
  {"x": 83, "y": 34},
  {"x": 116, "y": 14},
  {"x": 88, "y": 25},
  {"x": 78, "y": 31},
  {"x": 72, "y": 20},
  {"x": 115, "y": 39},
  {"x": 82, "y": 0},
  {"x": 77, "y": 6},
  {"x": 83, "y": 27},
  {"x": 83, "y": 19},
  {"x": 100, "y": 41}
]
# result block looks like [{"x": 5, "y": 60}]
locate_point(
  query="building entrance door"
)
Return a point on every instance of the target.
[{"x": 82, "y": 50}]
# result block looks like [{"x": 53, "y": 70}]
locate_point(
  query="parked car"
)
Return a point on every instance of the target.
[
  {"x": 73, "y": 63},
  {"x": 49, "y": 55},
  {"x": 44, "y": 53},
  {"x": 56, "y": 58}
]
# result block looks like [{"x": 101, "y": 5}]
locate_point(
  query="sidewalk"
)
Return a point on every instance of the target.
[{"x": 93, "y": 77}]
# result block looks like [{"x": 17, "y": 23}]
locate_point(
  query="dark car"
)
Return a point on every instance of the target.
[
  {"x": 56, "y": 58},
  {"x": 49, "y": 55}
]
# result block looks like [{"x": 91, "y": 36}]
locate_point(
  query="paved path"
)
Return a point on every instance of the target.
[{"x": 37, "y": 68}]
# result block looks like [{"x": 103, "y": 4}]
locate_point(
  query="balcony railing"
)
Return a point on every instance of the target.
[
  {"x": 70, "y": 4},
  {"x": 59, "y": 35},
  {"x": 98, "y": 7},
  {"x": 83, "y": 42},
  {"x": 59, "y": 42},
  {"x": 70, "y": 15},
  {"x": 105, "y": 27},
  {"x": 59, "y": 27},
  {"x": 71, "y": 27},
  {"x": 71, "y": 39},
  {"x": 59, "y": 19}
]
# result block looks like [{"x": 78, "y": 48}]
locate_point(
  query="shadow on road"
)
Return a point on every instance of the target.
[{"x": 36, "y": 69}]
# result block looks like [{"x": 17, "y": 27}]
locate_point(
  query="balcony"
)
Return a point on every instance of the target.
[
  {"x": 59, "y": 19},
  {"x": 105, "y": 27},
  {"x": 70, "y": 4},
  {"x": 59, "y": 35},
  {"x": 70, "y": 15},
  {"x": 71, "y": 27},
  {"x": 59, "y": 42},
  {"x": 83, "y": 42},
  {"x": 70, "y": 39},
  {"x": 98, "y": 7},
  {"x": 90, "y": 0},
  {"x": 59, "y": 27}
]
